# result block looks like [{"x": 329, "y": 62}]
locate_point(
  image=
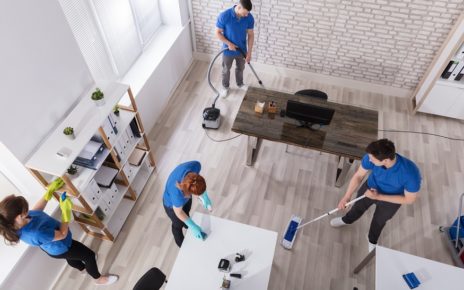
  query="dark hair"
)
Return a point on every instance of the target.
[
  {"x": 193, "y": 183},
  {"x": 246, "y": 4},
  {"x": 382, "y": 149},
  {"x": 10, "y": 207}
]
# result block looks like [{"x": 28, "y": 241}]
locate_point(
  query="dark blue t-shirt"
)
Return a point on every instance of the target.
[
  {"x": 403, "y": 175},
  {"x": 172, "y": 195},
  {"x": 40, "y": 231},
  {"x": 235, "y": 29}
]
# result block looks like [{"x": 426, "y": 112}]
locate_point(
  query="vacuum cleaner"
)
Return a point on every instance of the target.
[
  {"x": 212, "y": 115},
  {"x": 295, "y": 221}
]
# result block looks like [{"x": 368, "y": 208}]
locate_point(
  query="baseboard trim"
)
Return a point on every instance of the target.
[{"x": 348, "y": 83}]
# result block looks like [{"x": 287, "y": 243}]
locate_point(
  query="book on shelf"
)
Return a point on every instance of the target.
[
  {"x": 105, "y": 176},
  {"x": 136, "y": 157}
]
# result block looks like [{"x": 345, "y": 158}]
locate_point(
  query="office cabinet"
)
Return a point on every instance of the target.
[
  {"x": 441, "y": 90},
  {"x": 106, "y": 186}
]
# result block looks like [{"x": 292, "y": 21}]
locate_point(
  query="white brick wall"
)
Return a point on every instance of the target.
[{"x": 378, "y": 41}]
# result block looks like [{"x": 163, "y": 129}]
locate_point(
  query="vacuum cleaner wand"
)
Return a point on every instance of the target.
[
  {"x": 330, "y": 212},
  {"x": 252, "y": 69}
]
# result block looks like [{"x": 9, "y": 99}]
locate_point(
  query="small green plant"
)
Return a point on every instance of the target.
[
  {"x": 68, "y": 131},
  {"x": 116, "y": 110},
  {"x": 97, "y": 95},
  {"x": 72, "y": 170}
]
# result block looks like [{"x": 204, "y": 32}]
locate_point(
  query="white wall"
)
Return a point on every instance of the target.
[
  {"x": 154, "y": 95},
  {"x": 42, "y": 72}
]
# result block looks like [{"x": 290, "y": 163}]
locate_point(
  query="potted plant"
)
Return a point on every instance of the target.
[
  {"x": 72, "y": 170},
  {"x": 97, "y": 96},
  {"x": 116, "y": 110},
  {"x": 69, "y": 131}
]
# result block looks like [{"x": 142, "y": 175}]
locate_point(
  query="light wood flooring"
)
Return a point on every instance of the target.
[{"x": 281, "y": 184}]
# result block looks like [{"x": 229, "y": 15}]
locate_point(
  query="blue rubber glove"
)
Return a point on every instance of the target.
[
  {"x": 206, "y": 201},
  {"x": 194, "y": 229}
]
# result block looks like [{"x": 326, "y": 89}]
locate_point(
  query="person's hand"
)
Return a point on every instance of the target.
[
  {"x": 194, "y": 228},
  {"x": 248, "y": 57},
  {"x": 343, "y": 202},
  {"x": 66, "y": 208},
  {"x": 232, "y": 46},
  {"x": 206, "y": 201},
  {"x": 372, "y": 194},
  {"x": 54, "y": 186}
]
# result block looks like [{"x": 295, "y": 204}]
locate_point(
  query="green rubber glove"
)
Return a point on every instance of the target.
[
  {"x": 194, "y": 229},
  {"x": 54, "y": 186},
  {"x": 66, "y": 208}
]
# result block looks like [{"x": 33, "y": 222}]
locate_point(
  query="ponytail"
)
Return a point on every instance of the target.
[
  {"x": 10, "y": 207},
  {"x": 193, "y": 183}
]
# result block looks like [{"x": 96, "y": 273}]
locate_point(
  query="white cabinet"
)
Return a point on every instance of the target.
[
  {"x": 101, "y": 201},
  {"x": 441, "y": 90}
]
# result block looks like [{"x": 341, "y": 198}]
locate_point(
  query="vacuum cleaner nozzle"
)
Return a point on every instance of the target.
[{"x": 211, "y": 118}]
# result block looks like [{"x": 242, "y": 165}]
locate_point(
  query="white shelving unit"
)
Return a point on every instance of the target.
[
  {"x": 100, "y": 210},
  {"x": 441, "y": 90}
]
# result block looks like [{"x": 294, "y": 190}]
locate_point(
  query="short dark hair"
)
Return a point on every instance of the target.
[
  {"x": 382, "y": 149},
  {"x": 246, "y": 4}
]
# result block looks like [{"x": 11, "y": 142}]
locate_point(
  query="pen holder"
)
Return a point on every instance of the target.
[
  {"x": 272, "y": 108},
  {"x": 259, "y": 107}
]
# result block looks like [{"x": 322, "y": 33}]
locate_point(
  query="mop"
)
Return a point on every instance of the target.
[{"x": 295, "y": 221}]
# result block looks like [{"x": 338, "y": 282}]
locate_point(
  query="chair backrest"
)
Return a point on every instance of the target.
[
  {"x": 153, "y": 279},
  {"x": 313, "y": 93}
]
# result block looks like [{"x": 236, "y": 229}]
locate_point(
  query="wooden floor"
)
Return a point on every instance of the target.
[{"x": 281, "y": 184}]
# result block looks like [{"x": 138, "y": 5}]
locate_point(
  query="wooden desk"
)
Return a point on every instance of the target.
[
  {"x": 347, "y": 135},
  {"x": 196, "y": 266}
]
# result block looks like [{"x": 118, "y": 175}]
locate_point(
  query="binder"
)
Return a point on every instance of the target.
[
  {"x": 449, "y": 69},
  {"x": 460, "y": 74},
  {"x": 90, "y": 150},
  {"x": 135, "y": 128}
]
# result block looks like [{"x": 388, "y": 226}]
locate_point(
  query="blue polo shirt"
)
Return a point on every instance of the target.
[
  {"x": 403, "y": 175},
  {"x": 235, "y": 29},
  {"x": 172, "y": 195},
  {"x": 40, "y": 232}
]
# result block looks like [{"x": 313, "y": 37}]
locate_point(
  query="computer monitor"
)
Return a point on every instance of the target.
[{"x": 308, "y": 114}]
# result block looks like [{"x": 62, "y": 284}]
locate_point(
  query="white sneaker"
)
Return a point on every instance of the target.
[
  {"x": 242, "y": 87},
  {"x": 370, "y": 246},
  {"x": 110, "y": 279},
  {"x": 224, "y": 92},
  {"x": 337, "y": 222}
]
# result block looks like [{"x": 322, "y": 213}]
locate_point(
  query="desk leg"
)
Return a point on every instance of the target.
[
  {"x": 252, "y": 149},
  {"x": 364, "y": 262},
  {"x": 342, "y": 170}
]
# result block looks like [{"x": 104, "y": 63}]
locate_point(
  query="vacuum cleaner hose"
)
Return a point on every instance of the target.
[{"x": 209, "y": 76}]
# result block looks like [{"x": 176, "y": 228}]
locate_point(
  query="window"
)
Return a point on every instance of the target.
[{"x": 112, "y": 34}]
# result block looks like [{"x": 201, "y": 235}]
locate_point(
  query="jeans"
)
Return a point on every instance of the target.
[
  {"x": 239, "y": 67},
  {"x": 384, "y": 211},
  {"x": 79, "y": 256},
  {"x": 177, "y": 224}
]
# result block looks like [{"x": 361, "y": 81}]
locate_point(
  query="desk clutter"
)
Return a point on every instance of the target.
[{"x": 225, "y": 266}]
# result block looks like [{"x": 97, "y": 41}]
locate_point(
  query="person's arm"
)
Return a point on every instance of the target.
[
  {"x": 180, "y": 213},
  {"x": 62, "y": 233},
  {"x": 407, "y": 198},
  {"x": 40, "y": 204},
  {"x": 221, "y": 37},
  {"x": 251, "y": 39},
  {"x": 352, "y": 186}
]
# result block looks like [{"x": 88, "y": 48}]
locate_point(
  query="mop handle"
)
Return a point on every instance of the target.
[{"x": 331, "y": 212}]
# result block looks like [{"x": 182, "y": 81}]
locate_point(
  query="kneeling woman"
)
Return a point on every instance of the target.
[
  {"x": 36, "y": 228},
  {"x": 182, "y": 183}
]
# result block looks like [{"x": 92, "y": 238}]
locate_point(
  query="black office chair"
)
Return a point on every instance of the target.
[
  {"x": 313, "y": 93},
  {"x": 154, "y": 279}
]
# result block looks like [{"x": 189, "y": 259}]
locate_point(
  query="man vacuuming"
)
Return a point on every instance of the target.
[
  {"x": 394, "y": 180},
  {"x": 233, "y": 26}
]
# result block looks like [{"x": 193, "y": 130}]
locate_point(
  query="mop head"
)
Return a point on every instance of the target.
[{"x": 290, "y": 234}]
